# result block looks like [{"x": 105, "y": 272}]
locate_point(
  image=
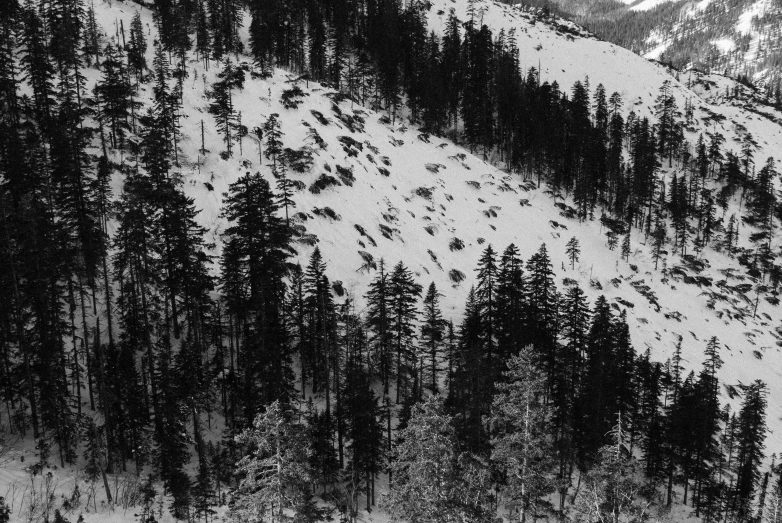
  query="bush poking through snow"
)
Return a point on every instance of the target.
[
  {"x": 386, "y": 231},
  {"x": 369, "y": 262},
  {"x": 316, "y": 139},
  {"x": 292, "y": 98},
  {"x": 456, "y": 276},
  {"x": 322, "y": 120},
  {"x": 299, "y": 160},
  {"x": 296, "y": 185},
  {"x": 346, "y": 175},
  {"x": 364, "y": 233},
  {"x": 327, "y": 212},
  {"x": 323, "y": 182},
  {"x": 351, "y": 146},
  {"x": 424, "y": 192}
]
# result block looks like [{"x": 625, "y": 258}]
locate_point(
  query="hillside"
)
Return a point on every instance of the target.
[
  {"x": 437, "y": 191},
  {"x": 376, "y": 188},
  {"x": 735, "y": 38}
]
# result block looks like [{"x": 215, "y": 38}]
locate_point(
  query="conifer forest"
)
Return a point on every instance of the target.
[{"x": 200, "y": 320}]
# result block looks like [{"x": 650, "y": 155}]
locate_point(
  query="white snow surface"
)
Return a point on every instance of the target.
[
  {"x": 724, "y": 44},
  {"x": 647, "y": 5},
  {"x": 478, "y": 203},
  {"x": 744, "y": 25}
]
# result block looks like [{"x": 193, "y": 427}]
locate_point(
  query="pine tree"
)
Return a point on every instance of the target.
[
  {"x": 203, "y": 42},
  {"x": 432, "y": 336},
  {"x": 750, "y": 446},
  {"x": 707, "y": 429},
  {"x": 658, "y": 241},
  {"x": 731, "y": 235},
  {"x": 666, "y": 111},
  {"x": 364, "y": 430},
  {"x": 613, "y": 240},
  {"x": 379, "y": 323},
  {"x": 113, "y": 93},
  {"x": 430, "y": 481},
  {"x": 137, "y": 47},
  {"x": 467, "y": 394},
  {"x": 573, "y": 251},
  {"x": 257, "y": 247},
  {"x": 404, "y": 293},
  {"x": 92, "y": 38},
  {"x": 611, "y": 489},
  {"x": 203, "y": 493},
  {"x": 323, "y": 458},
  {"x": 274, "y": 472},
  {"x": 37, "y": 66},
  {"x": 598, "y": 401},
  {"x": 486, "y": 294},
  {"x": 511, "y": 305},
  {"x": 763, "y": 199},
  {"x": 222, "y": 105},
  {"x": 522, "y": 446},
  {"x": 452, "y": 68},
  {"x": 273, "y": 136},
  {"x": 541, "y": 297}
]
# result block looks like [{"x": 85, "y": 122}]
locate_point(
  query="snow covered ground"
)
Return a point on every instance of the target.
[
  {"x": 647, "y": 5},
  {"x": 406, "y": 196}
]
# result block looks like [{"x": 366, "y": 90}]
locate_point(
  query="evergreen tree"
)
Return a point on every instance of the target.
[
  {"x": 379, "y": 323},
  {"x": 137, "y": 46},
  {"x": 511, "y": 305},
  {"x": 611, "y": 489},
  {"x": 542, "y": 302},
  {"x": 222, "y": 105},
  {"x": 486, "y": 294},
  {"x": 432, "y": 336},
  {"x": 431, "y": 481},
  {"x": 750, "y": 446},
  {"x": 113, "y": 93},
  {"x": 573, "y": 251},
  {"x": 257, "y": 247},
  {"x": 273, "y": 137},
  {"x": 365, "y": 431},
  {"x": 404, "y": 293},
  {"x": 522, "y": 445},
  {"x": 274, "y": 472}
]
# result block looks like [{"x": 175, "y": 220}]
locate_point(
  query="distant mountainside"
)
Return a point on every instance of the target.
[{"x": 740, "y": 38}]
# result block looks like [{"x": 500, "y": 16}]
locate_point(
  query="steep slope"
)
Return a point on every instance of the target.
[
  {"x": 737, "y": 37},
  {"x": 403, "y": 195},
  {"x": 376, "y": 191}
]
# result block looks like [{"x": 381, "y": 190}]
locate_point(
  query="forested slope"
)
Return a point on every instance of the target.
[{"x": 316, "y": 215}]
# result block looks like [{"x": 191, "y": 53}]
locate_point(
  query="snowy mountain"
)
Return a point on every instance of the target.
[
  {"x": 380, "y": 189},
  {"x": 740, "y": 39}
]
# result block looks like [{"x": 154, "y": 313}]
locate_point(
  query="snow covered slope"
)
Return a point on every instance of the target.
[
  {"x": 397, "y": 194},
  {"x": 435, "y": 191},
  {"x": 741, "y": 37},
  {"x": 409, "y": 196}
]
